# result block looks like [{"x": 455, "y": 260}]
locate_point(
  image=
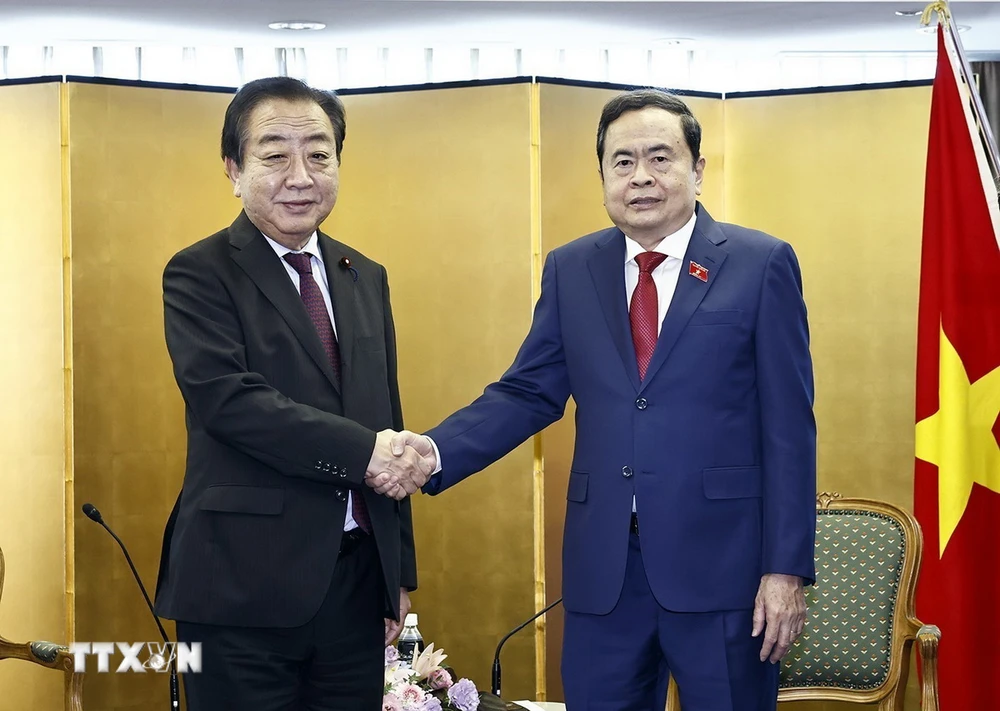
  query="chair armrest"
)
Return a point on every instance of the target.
[
  {"x": 50, "y": 655},
  {"x": 46, "y": 654},
  {"x": 928, "y": 638}
]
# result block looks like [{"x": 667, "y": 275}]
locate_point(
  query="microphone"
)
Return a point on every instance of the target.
[
  {"x": 94, "y": 515},
  {"x": 496, "y": 657},
  {"x": 345, "y": 262}
]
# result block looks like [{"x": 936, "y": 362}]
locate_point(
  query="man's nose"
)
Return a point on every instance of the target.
[
  {"x": 298, "y": 174},
  {"x": 641, "y": 176}
]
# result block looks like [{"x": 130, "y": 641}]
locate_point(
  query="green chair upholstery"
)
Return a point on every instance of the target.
[
  {"x": 859, "y": 558},
  {"x": 861, "y": 625}
]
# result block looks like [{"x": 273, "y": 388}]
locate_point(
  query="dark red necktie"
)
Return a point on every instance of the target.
[
  {"x": 312, "y": 298},
  {"x": 643, "y": 313}
]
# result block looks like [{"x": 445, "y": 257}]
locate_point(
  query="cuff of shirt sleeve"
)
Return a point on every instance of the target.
[
  {"x": 437, "y": 455},
  {"x": 433, "y": 485}
]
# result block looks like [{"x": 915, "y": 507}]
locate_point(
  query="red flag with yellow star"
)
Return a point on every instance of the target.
[{"x": 957, "y": 477}]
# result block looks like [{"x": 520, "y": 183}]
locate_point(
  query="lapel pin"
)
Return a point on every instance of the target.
[
  {"x": 345, "y": 262},
  {"x": 698, "y": 271}
]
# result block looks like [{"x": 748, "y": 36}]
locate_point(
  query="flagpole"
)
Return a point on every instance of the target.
[
  {"x": 977, "y": 104},
  {"x": 944, "y": 17}
]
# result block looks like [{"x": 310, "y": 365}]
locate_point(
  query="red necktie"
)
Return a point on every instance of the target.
[
  {"x": 643, "y": 313},
  {"x": 312, "y": 298}
]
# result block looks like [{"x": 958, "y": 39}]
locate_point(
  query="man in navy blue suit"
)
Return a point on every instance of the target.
[{"x": 690, "y": 515}]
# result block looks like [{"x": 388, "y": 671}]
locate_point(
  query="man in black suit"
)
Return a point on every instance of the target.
[{"x": 278, "y": 557}]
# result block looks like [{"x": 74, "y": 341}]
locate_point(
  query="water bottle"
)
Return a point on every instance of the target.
[{"x": 411, "y": 642}]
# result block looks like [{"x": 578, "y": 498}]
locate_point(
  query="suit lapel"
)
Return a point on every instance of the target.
[
  {"x": 343, "y": 294},
  {"x": 607, "y": 268},
  {"x": 703, "y": 249},
  {"x": 255, "y": 257}
]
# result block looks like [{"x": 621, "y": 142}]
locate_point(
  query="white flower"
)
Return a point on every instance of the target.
[
  {"x": 396, "y": 674},
  {"x": 427, "y": 661}
]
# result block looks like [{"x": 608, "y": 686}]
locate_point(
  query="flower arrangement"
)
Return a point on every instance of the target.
[{"x": 424, "y": 685}]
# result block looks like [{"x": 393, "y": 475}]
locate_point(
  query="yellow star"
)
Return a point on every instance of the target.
[{"x": 958, "y": 438}]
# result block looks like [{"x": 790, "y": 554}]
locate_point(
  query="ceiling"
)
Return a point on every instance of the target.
[{"x": 719, "y": 27}]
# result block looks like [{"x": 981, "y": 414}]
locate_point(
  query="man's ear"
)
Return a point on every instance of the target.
[
  {"x": 699, "y": 174},
  {"x": 233, "y": 171}
]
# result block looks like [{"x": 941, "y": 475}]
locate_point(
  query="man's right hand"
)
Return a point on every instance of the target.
[
  {"x": 397, "y": 469},
  {"x": 421, "y": 443}
]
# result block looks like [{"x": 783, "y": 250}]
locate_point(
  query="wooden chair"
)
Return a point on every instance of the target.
[
  {"x": 44, "y": 654},
  {"x": 861, "y": 625}
]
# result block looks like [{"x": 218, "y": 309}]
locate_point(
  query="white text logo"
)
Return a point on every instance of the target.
[{"x": 138, "y": 657}]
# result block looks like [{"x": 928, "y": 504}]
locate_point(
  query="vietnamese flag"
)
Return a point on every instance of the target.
[{"x": 957, "y": 477}]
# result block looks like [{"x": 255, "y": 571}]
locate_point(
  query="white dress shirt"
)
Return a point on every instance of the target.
[
  {"x": 666, "y": 273},
  {"x": 320, "y": 277}
]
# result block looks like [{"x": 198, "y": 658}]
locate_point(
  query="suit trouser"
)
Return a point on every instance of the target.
[
  {"x": 622, "y": 661},
  {"x": 334, "y": 662}
]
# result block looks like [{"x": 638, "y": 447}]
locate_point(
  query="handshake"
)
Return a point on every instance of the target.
[{"x": 401, "y": 463}]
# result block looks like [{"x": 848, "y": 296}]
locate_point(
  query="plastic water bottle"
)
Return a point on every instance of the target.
[{"x": 411, "y": 642}]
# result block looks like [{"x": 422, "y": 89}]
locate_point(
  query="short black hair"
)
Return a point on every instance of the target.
[
  {"x": 251, "y": 94},
  {"x": 637, "y": 99}
]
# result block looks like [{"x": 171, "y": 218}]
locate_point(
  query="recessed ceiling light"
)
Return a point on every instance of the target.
[
  {"x": 909, "y": 13},
  {"x": 296, "y": 25},
  {"x": 932, "y": 28}
]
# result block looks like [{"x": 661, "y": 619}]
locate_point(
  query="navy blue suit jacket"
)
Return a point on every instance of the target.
[{"x": 717, "y": 444}]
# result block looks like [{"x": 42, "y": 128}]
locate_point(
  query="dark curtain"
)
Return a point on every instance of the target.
[{"x": 988, "y": 79}]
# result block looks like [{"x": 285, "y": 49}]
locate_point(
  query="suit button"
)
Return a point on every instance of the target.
[
  {"x": 641, "y": 403},
  {"x": 626, "y": 472},
  {"x": 343, "y": 473},
  {"x": 319, "y": 466},
  {"x": 341, "y": 495}
]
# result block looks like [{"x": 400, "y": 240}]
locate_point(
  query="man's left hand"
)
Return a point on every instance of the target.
[
  {"x": 394, "y": 627},
  {"x": 780, "y": 609}
]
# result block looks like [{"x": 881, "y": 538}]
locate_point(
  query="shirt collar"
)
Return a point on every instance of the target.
[
  {"x": 673, "y": 245},
  {"x": 311, "y": 248}
]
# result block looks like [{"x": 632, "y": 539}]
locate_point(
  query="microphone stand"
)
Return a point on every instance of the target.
[
  {"x": 94, "y": 515},
  {"x": 495, "y": 685}
]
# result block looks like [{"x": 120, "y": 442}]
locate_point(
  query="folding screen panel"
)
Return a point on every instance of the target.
[{"x": 33, "y": 415}]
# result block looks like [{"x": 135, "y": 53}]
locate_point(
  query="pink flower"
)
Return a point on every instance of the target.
[
  {"x": 391, "y": 703},
  {"x": 411, "y": 696},
  {"x": 440, "y": 679}
]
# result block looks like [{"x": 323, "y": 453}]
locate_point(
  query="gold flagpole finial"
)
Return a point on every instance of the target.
[{"x": 941, "y": 8}]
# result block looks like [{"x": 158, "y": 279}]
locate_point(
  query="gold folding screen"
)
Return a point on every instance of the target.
[
  {"x": 434, "y": 184},
  {"x": 840, "y": 176},
  {"x": 145, "y": 180},
  {"x": 32, "y": 424},
  {"x": 459, "y": 192}
]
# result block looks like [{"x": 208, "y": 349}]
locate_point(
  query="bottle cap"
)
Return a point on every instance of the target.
[{"x": 411, "y": 619}]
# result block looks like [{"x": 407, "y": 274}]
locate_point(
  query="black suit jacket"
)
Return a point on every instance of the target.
[{"x": 274, "y": 442}]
